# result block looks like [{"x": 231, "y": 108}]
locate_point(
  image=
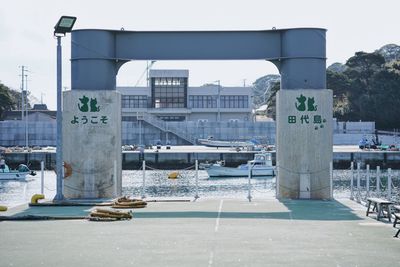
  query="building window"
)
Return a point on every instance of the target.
[
  {"x": 129, "y": 118},
  {"x": 134, "y": 101},
  {"x": 169, "y": 92},
  {"x": 234, "y": 101},
  {"x": 172, "y": 118},
  {"x": 202, "y": 101}
]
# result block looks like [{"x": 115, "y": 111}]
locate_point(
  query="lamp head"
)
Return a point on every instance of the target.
[{"x": 64, "y": 25}]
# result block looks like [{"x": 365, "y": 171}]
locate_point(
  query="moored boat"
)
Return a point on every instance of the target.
[
  {"x": 211, "y": 142},
  {"x": 261, "y": 165},
  {"x": 18, "y": 174}
]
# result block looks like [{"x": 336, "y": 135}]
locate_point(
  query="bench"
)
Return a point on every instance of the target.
[{"x": 379, "y": 205}]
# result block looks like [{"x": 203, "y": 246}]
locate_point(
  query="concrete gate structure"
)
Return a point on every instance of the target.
[{"x": 304, "y": 105}]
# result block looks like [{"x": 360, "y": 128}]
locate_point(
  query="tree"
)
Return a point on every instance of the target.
[
  {"x": 385, "y": 99},
  {"x": 8, "y": 99},
  {"x": 271, "y": 101},
  {"x": 340, "y": 85}
]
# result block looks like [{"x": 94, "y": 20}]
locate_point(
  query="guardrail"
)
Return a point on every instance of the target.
[{"x": 164, "y": 126}]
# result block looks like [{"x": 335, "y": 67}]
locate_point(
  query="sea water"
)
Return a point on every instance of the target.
[{"x": 157, "y": 184}]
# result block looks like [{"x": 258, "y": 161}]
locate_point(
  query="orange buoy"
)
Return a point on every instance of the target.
[{"x": 67, "y": 170}]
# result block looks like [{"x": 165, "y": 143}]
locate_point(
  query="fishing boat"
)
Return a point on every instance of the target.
[
  {"x": 261, "y": 165},
  {"x": 211, "y": 142},
  {"x": 18, "y": 174}
]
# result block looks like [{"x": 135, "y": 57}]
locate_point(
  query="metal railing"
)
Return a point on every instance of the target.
[
  {"x": 367, "y": 183},
  {"x": 165, "y": 127}
]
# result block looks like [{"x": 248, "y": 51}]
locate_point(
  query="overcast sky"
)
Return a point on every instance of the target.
[{"x": 26, "y": 29}]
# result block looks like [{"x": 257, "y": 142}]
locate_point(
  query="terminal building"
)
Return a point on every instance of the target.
[
  {"x": 171, "y": 111},
  {"x": 170, "y": 98}
]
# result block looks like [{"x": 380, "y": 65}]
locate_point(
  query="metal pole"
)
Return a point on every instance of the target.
[
  {"x": 368, "y": 177},
  {"x": 352, "y": 181},
  {"x": 249, "y": 181},
  {"x": 277, "y": 179},
  {"x": 26, "y": 112},
  {"x": 22, "y": 94},
  {"x": 115, "y": 179},
  {"x": 59, "y": 167},
  {"x": 42, "y": 177},
  {"x": 144, "y": 179},
  {"x": 219, "y": 101},
  {"x": 197, "y": 179},
  {"x": 140, "y": 132},
  {"x": 389, "y": 184},
  {"x": 358, "y": 182},
  {"x": 219, "y": 108},
  {"x": 331, "y": 178},
  {"x": 378, "y": 180}
]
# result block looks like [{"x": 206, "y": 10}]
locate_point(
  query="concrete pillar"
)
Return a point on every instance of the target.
[
  {"x": 304, "y": 143},
  {"x": 92, "y": 143}
]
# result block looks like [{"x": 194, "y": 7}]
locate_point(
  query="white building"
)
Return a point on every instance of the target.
[
  {"x": 172, "y": 111},
  {"x": 170, "y": 98}
]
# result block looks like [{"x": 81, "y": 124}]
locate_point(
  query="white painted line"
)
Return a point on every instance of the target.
[
  {"x": 210, "y": 261},
  {"x": 211, "y": 258},
  {"x": 219, "y": 215}
]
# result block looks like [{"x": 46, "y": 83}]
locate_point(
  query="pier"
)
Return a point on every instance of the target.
[
  {"x": 208, "y": 232},
  {"x": 178, "y": 157}
]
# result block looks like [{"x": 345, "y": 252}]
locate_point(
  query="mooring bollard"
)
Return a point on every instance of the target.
[
  {"x": 389, "y": 184},
  {"x": 42, "y": 177},
  {"x": 358, "y": 183},
  {"x": 144, "y": 179},
  {"x": 367, "y": 180},
  {"x": 378, "y": 180},
  {"x": 197, "y": 179},
  {"x": 352, "y": 181},
  {"x": 331, "y": 178},
  {"x": 249, "y": 181}
]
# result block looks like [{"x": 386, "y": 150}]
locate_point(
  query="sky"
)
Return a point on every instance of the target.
[{"x": 26, "y": 34}]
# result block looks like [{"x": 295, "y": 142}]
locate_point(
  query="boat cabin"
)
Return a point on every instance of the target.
[{"x": 264, "y": 159}]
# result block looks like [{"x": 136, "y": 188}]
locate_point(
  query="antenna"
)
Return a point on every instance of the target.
[{"x": 146, "y": 71}]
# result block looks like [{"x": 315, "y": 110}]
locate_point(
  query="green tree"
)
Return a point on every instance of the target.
[
  {"x": 340, "y": 85},
  {"x": 384, "y": 102},
  {"x": 9, "y": 99},
  {"x": 271, "y": 101}
]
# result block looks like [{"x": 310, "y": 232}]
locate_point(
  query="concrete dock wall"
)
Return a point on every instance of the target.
[{"x": 173, "y": 160}]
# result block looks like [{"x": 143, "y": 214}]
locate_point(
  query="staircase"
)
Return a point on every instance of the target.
[{"x": 165, "y": 127}]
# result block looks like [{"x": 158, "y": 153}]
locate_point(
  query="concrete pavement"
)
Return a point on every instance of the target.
[{"x": 208, "y": 232}]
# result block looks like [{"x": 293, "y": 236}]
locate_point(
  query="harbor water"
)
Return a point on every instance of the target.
[{"x": 157, "y": 184}]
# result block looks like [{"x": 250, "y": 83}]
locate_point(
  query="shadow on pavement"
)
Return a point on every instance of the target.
[{"x": 324, "y": 210}]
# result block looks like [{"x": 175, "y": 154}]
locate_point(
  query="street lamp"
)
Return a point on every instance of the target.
[
  {"x": 219, "y": 107},
  {"x": 63, "y": 26}
]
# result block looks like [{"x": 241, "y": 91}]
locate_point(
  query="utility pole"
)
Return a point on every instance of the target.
[
  {"x": 24, "y": 102},
  {"x": 26, "y": 112},
  {"x": 22, "y": 92}
]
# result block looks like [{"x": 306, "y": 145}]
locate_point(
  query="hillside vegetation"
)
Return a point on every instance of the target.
[{"x": 366, "y": 87}]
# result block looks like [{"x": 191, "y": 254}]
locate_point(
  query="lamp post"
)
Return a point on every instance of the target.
[
  {"x": 64, "y": 25},
  {"x": 219, "y": 107}
]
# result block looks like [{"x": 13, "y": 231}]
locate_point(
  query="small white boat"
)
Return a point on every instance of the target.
[
  {"x": 19, "y": 174},
  {"x": 211, "y": 142},
  {"x": 261, "y": 165}
]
